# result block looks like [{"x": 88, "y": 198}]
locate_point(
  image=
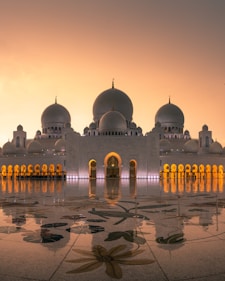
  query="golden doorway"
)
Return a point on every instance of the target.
[{"x": 112, "y": 169}]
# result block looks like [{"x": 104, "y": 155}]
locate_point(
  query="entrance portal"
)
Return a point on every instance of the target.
[{"x": 112, "y": 169}]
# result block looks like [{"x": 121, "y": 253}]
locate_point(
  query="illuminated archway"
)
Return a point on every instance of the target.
[
  {"x": 52, "y": 170},
  {"x": 37, "y": 170},
  {"x": 201, "y": 168},
  {"x": 10, "y": 170},
  {"x": 180, "y": 168},
  {"x": 194, "y": 168},
  {"x": 92, "y": 169},
  {"x": 133, "y": 168},
  {"x": 220, "y": 171},
  {"x": 59, "y": 171},
  {"x": 173, "y": 168},
  {"x": 4, "y": 171},
  {"x": 166, "y": 168},
  {"x": 112, "y": 164},
  {"x": 16, "y": 170},
  {"x": 208, "y": 168},
  {"x": 23, "y": 170},
  {"x": 30, "y": 170},
  {"x": 187, "y": 168},
  {"x": 44, "y": 170},
  {"x": 214, "y": 169}
]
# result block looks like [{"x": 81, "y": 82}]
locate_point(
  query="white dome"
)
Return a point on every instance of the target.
[
  {"x": 191, "y": 146},
  {"x": 8, "y": 148},
  {"x": 55, "y": 115},
  {"x": 112, "y": 121},
  {"x": 215, "y": 147},
  {"x": 34, "y": 147},
  {"x": 112, "y": 99},
  {"x": 170, "y": 115},
  {"x": 60, "y": 145}
]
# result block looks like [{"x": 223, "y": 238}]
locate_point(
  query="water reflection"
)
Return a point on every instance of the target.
[
  {"x": 188, "y": 185},
  {"x": 132, "y": 214},
  {"x": 169, "y": 206}
]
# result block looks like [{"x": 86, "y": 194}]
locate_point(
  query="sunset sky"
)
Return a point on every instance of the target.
[{"x": 72, "y": 49}]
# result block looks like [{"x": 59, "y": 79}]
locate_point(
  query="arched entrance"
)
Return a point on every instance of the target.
[
  {"x": 112, "y": 165},
  {"x": 92, "y": 169},
  {"x": 133, "y": 168}
]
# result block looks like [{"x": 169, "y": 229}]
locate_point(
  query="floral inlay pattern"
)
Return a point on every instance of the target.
[{"x": 112, "y": 259}]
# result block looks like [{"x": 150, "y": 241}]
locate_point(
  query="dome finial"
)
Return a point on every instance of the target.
[
  {"x": 55, "y": 99},
  {"x": 113, "y": 83},
  {"x": 169, "y": 99}
]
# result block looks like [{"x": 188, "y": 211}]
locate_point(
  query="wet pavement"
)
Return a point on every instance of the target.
[{"x": 98, "y": 230}]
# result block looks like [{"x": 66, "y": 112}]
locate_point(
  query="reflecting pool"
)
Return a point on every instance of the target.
[{"x": 169, "y": 229}]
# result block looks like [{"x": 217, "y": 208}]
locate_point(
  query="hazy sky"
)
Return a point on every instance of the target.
[{"x": 73, "y": 49}]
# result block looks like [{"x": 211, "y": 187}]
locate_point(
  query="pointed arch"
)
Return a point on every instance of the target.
[
  {"x": 133, "y": 168},
  {"x": 92, "y": 168},
  {"x": 112, "y": 163}
]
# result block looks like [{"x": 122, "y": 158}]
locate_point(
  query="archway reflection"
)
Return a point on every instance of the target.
[
  {"x": 165, "y": 211},
  {"x": 197, "y": 185}
]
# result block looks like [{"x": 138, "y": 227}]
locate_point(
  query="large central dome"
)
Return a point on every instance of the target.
[{"x": 112, "y": 99}]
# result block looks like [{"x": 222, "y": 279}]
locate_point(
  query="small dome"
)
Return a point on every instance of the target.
[
  {"x": 34, "y": 147},
  {"x": 55, "y": 115},
  {"x": 165, "y": 145},
  {"x": 215, "y": 147},
  {"x": 191, "y": 146},
  {"x": 113, "y": 121},
  {"x": 133, "y": 125},
  {"x": 170, "y": 115},
  {"x": 112, "y": 99},
  {"x": 60, "y": 145},
  {"x": 38, "y": 133},
  {"x": 92, "y": 126},
  {"x": 205, "y": 128},
  {"x": 8, "y": 148},
  {"x": 19, "y": 128}
]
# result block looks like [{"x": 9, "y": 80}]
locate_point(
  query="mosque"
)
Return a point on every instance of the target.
[{"x": 112, "y": 145}]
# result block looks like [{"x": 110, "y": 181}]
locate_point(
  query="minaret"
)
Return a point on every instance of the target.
[{"x": 205, "y": 138}]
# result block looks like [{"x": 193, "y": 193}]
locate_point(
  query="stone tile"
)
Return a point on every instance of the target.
[{"x": 193, "y": 260}]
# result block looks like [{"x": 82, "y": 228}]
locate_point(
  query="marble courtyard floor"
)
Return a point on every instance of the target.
[{"x": 59, "y": 231}]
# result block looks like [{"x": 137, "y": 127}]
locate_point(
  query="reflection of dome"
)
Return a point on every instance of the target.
[
  {"x": 112, "y": 121},
  {"x": 55, "y": 115},
  {"x": 60, "y": 145},
  {"x": 170, "y": 115},
  {"x": 8, "y": 148},
  {"x": 112, "y": 99},
  {"x": 164, "y": 145},
  {"x": 34, "y": 147},
  {"x": 216, "y": 147},
  {"x": 191, "y": 146}
]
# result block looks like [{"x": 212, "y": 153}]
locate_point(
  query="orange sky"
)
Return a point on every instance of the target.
[{"x": 73, "y": 49}]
